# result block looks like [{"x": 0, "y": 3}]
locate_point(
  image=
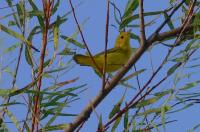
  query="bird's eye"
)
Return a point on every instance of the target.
[{"x": 122, "y": 37}]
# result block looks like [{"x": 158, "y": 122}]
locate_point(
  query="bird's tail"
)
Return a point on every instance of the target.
[{"x": 83, "y": 60}]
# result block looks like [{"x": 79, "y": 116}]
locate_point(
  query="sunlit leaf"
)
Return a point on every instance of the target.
[
  {"x": 173, "y": 69},
  {"x": 73, "y": 41},
  {"x": 54, "y": 128},
  {"x": 13, "y": 119},
  {"x": 116, "y": 124}
]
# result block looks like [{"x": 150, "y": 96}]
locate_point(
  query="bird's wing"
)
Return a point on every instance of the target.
[{"x": 109, "y": 51}]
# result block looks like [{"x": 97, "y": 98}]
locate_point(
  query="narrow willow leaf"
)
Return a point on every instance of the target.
[
  {"x": 20, "y": 12},
  {"x": 116, "y": 124},
  {"x": 195, "y": 127},
  {"x": 57, "y": 70},
  {"x": 11, "y": 23},
  {"x": 163, "y": 93},
  {"x": 11, "y": 103},
  {"x": 24, "y": 89},
  {"x": 129, "y": 19},
  {"x": 54, "y": 128},
  {"x": 39, "y": 17},
  {"x": 133, "y": 75},
  {"x": 8, "y": 70},
  {"x": 5, "y": 92},
  {"x": 33, "y": 32},
  {"x": 154, "y": 110},
  {"x": 13, "y": 14},
  {"x": 190, "y": 85},
  {"x": 13, "y": 119},
  {"x": 28, "y": 56},
  {"x": 27, "y": 127},
  {"x": 136, "y": 37},
  {"x": 11, "y": 48},
  {"x": 55, "y": 8},
  {"x": 53, "y": 112},
  {"x": 67, "y": 51},
  {"x": 183, "y": 108},
  {"x": 173, "y": 69},
  {"x": 131, "y": 6},
  {"x": 116, "y": 108},
  {"x": 100, "y": 124},
  {"x": 56, "y": 34},
  {"x": 169, "y": 23},
  {"x": 126, "y": 121},
  {"x": 73, "y": 41},
  {"x": 18, "y": 36},
  {"x": 46, "y": 63},
  {"x": 163, "y": 112},
  {"x": 148, "y": 101}
]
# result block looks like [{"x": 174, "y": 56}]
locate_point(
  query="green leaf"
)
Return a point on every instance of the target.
[
  {"x": 136, "y": 37},
  {"x": 11, "y": 103},
  {"x": 116, "y": 124},
  {"x": 100, "y": 125},
  {"x": 133, "y": 75},
  {"x": 11, "y": 23},
  {"x": 55, "y": 8},
  {"x": 73, "y": 41},
  {"x": 54, "y": 128},
  {"x": 18, "y": 36},
  {"x": 131, "y": 6},
  {"x": 20, "y": 12},
  {"x": 190, "y": 85},
  {"x": 13, "y": 119},
  {"x": 32, "y": 33},
  {"x": 148, "y": 101},
  {"x": 39, "y": 17},
  {"x": 53, "y": 112},
  {"x": 11, "y": 48},
  {"x": 46, "y": 63},
  {"x": 154, "y": 110},
  {"x": 169, "y": 23},
  {"x": 129, "y": 19},
  {"x": 28, "y": 56},
  {"x": 126, "y": 121},
  {"x": 173, "y": 69},
  {"x": 67, "y": 51},
  {"x": 5, "y": 92},
  {"x": 56, "y": 34},
  {"x": 163, "y": 93},
  {"x": 116, "y": 108}
]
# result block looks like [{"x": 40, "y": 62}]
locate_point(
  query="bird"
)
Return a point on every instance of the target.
[{"x": 116, "y": 56}]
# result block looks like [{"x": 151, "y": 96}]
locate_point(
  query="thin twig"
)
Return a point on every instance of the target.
[
  {"x": 142, "y": 23},
  {"x": 83, "y": 39},
  {"x": 47, "y": 9},
  {"x": 106, "y": 46}
]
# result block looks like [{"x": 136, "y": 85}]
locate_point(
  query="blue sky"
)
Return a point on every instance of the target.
[{"x": 94, "y": 11}]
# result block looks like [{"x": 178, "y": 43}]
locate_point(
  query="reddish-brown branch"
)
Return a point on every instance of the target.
[
  {"x": 83, "y": 39},
  {"x": 106, "y": 45},
  {"x": 47, "y": 9},
  {"x": 142, "y": 23}
]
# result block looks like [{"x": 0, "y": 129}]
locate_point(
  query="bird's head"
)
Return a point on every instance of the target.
[{"x": 123, "y": 40}]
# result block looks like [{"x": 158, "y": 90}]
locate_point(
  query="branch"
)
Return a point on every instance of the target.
[
  {"x": 85, "y": 114},
  {"x": 106, "y": 45},
  {"x": 83, "y": 39},
  {"x": 142, "y": 23}
]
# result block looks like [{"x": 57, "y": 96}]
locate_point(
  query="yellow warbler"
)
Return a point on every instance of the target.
[{"x": 116, "y": 57}]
